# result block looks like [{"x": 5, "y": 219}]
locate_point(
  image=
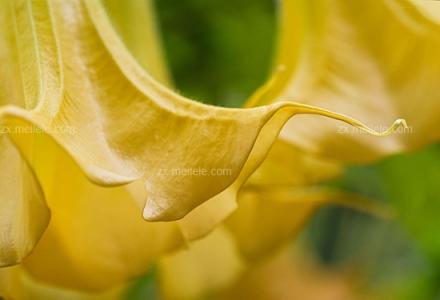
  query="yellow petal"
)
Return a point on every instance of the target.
[
  {"x": 374, "y": 60},
  {"x": 23, "y": 211},
  {"x": 100, "y": 252},
  {"x": 280, "y": 198},
  {"x": 134, "y": 20},
  {"x": 285, "y": 165},
  {"x": 269, "y": 213},
  {"x": 123, "y": 125},
  {"x": 264, "y": 220},
  {"x": 15, "y": 283},
  {"x": 205, "y": 217},
  {"x": 209, "y": 264},
  {"x": 96, "y": 238},
  {"x": 430, "y": 9},
  {"x": 268, "y": 217}
]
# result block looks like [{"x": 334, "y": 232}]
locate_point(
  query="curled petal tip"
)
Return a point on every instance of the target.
[
  {"x": 149, "y": 213},
  {"x": 399, "y": 123},
  {"x": 153, "y": 212}
]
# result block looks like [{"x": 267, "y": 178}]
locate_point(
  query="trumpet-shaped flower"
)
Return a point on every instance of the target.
[
  {"x": 374, "y": 60},
  {"x": 92, "y": 132}
]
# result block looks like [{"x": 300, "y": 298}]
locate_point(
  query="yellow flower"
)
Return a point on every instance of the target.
[
  {"x": 271, "y": 210},
  {"x": 92, "y": 134},
  {"x": 96, "y": 237},
  {"x": 374, "y": 60}
]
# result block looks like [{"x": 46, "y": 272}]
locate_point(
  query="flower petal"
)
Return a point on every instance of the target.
[
  {"x": 265, "y": 220},
  {"x": 374, "y": 60},
  {"x": 209, "y": 264},
  {"x": 15, "y": 283},
  {"x": 97, "y": 235},
  {"x": 23, "y": 214},
  {"x": 97, "y": 238},
  {"x": 287, "y": 165},
  {"x": 280, "y": 198},
  {"x": 123, "y": 125}
]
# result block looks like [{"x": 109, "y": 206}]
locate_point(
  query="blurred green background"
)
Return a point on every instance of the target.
[{"x": 219, "y": 52}]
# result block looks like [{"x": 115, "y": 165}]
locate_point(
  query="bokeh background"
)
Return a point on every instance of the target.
[{"x": 219, "y": 52}]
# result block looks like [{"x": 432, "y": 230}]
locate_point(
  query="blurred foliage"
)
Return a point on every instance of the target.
[
  {"x": 400, "y": 255},
  {"x": 219, "y": 52},
  {"x": 145, "y": 288}
]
